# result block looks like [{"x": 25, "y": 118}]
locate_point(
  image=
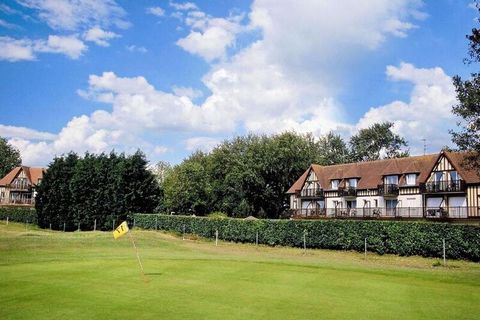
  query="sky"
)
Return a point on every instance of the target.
[{"x": 172, "y": 77}]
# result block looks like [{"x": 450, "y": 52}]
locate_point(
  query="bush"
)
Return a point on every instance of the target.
[
  {"x": 18, "y": 214},
  {"x": 394, "y": 237},
  {"x": 217, "y": 215}
]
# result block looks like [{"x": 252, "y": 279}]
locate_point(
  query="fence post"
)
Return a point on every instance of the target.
[
  {"x": 183, "y": 234},
  {"x": 95, "y": 225},
  {"x": 365, "y": 248},
  {"x": 113, "y": 225},
  {"x": 7, "y": 221},
  {"x": 156, "y": 223},
  {"x": 444, "y": 258},
  {"x": 256, "y": 239},
  {"x": 304, "y": 240},
  {"x": 216, "y": 237},
  {"x": 133, "y": 223},
  {"x": 78, "y": 226},
  {"x": 64, "y": 227},
  {"x": 50, "y": 226}
]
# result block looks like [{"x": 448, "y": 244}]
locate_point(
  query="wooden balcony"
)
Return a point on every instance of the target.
[
  {"x": 388, "y": 190},
  {"x": 312, "y": 193},
  {"x": 453, "y": 186},
  {"x": 347, "y": 192}
]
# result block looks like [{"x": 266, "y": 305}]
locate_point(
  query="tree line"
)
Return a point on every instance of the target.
[{"x": 249, "y": 175}]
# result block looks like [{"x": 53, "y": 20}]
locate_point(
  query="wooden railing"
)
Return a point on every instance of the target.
[
  {"x": 443, "y": 186},
  {"x": 402, "y": 212},
  {"x": 388, "y": 189},
  {"x": 311, "y": 193},
  {"x": 347, "y": 192}
]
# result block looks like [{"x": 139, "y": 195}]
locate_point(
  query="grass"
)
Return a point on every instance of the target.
[{"x": 88, "y": 275}]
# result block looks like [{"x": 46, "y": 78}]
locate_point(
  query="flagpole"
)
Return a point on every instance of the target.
[{"x": 136, "y": 251}]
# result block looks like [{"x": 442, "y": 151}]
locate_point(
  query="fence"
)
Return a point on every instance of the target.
[{"x": 377, "y": 212}]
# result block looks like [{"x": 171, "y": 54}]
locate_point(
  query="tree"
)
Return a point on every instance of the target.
[
  {"x": 333, "y": 150},
  {"x": 9, "y": 157},
  {"x": 104, "y": 188},
  {"x": 468, "y": 107},
  {"x": 376, "y": 142}
]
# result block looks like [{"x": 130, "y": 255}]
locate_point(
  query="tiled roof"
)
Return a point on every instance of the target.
[
  {"x": 371, "y": 173},
  {"x": 33, "y": 175}
]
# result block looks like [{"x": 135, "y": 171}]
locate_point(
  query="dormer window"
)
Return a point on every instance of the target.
[
  {"x": 352, "y": 182},
  {"x": 334, "y": 184},
  {"x": 454, "y": 176},
  {"x": 391, "y": 179},
  {"x": 410, "y": 179}
]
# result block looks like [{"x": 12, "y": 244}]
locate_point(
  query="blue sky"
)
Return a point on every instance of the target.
[{"x": 171, "y": 77}]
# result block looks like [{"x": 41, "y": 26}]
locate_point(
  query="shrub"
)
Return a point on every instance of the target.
[
  {"x": 394, "y": 237},
  {"x": 217, "y": 215},
  {"x": 18, "y": 214}
]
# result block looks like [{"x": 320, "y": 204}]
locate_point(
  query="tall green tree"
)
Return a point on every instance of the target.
[
  {"x": 376, "y": 142},
  {"x": 468, "y": 107},
  {"x": 9, "y": 157},
  {"x": 333, "y": 150}
]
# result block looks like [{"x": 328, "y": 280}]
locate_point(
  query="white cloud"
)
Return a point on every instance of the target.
[
  {"x": 25, "y": 49},
  {"x": 24, "y": 133},
  {"x": 74, "y": 15},
  {"x": 70, "y": 46},
  {"x": 187, "y": 92},
  {"x": 204, "y": 144},
  {"x": 156, "y": 11},
  {"x": 99, "y": 36},
  {"x": 183, "y": 6},
  {"x": 8, "y": 25},
  {"x": 134, "y": 48},
  {"x": 279, "y": 82},
  {"x": 210, "y": 37},
  {"x": 16, "y": 50},
  {"x": 428, "y": 112}
]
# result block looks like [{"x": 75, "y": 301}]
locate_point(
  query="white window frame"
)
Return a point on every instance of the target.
[
  {"x": 408, "y": 179},
  {"x": 334, "y": 184},
  {"x": 352, "y": 185},
  {"x": 392, "y": 179}
]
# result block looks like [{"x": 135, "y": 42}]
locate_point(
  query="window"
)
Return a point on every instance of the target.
[
  {"x": 391, "y": 180},
  {"x": 411, "y": 179},
  {"x": 352, "y": 204},
  {"x": 352, "y": 183},
  {"x": 334, "y": 184},
  {"x": 438, "y": 176},
  {"x": 454, "y": 176},
  {"x": 390, "y": 204}
]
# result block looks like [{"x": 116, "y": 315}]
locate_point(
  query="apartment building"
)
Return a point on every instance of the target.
[{"x": 429, "y": 186}]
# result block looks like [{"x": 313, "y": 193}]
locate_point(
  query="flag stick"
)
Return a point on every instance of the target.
[{"x": 138, "y": 256}]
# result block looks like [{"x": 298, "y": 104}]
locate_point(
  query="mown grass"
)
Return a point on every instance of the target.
[{"x": 88, "y": 275}]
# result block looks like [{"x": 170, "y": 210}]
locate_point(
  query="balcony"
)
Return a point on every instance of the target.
[
  {"x": 311, "y": 193},
  {"x": 347, "y": 192},
  {"x": 443, "y": 186},
  {"x": 388, "y": 190}
]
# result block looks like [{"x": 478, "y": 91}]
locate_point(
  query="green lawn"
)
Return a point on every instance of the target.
[{"x": 88, "y": 275}]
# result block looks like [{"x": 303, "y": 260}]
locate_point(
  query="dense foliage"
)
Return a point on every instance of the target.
[
  {"x": 376, "y": 142},
  {"x": 18, "y": 214},
  {"x": 9, "y": 157},
  {"x": 249, "y": 175},
  {"x": 468, "y": 107},
  {"x": 101, "y": 187},
  {"x": 402, "y": 238}
]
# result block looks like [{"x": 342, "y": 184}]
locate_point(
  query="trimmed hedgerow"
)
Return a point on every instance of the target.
[
  {"x": 402, "y": 238},
  {"x": 18, "y": 214}
]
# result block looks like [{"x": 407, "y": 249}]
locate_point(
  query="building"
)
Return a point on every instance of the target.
[
  {"x": 18, "y": 186},
  {"x": 429, "y": 186}
]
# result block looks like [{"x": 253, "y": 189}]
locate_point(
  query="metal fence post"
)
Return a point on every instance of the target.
[
  {"x": 78, "y": 226},
  {"x": 444, "y": 257},
  {"x": 216, "y": 237},
  {"x": 64, "y": 227},
  {"x": 156, "y": 223},
  {"x": 365, "y": 248},
  {"x": 113, "y": 225},
  {"x": 183, "y": 234},
  {"x": 304, "y": 240},
  {"x": 7, "y": 221},
  {"x": 95, "y": 225},
  {"x": 256, "y": 239}
]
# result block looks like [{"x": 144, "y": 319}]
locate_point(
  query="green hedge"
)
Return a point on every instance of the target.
[
  {"x": 402, "y": 238},
  {"x": 18, "y": 214}
]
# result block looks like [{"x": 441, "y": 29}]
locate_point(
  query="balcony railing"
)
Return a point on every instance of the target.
[
  {"x": 17, "y": 201},
  {"x": 443, "y": 186},
  {"x": 311, "y": 193},
  {"x": 388, "y": 189},
  {"x": 389, "y": 213},
  {"x": 347, "y": 192}
]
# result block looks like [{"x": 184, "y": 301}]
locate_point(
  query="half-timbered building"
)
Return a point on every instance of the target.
[{"x": 428, "y": 186}]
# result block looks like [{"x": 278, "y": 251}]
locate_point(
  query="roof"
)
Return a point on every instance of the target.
[
  {"x": 33, "y": 175},
  {"x": 371, "y": 173}
]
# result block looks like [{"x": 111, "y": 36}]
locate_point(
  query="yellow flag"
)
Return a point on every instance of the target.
[{"x": 121, "y": 230}]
